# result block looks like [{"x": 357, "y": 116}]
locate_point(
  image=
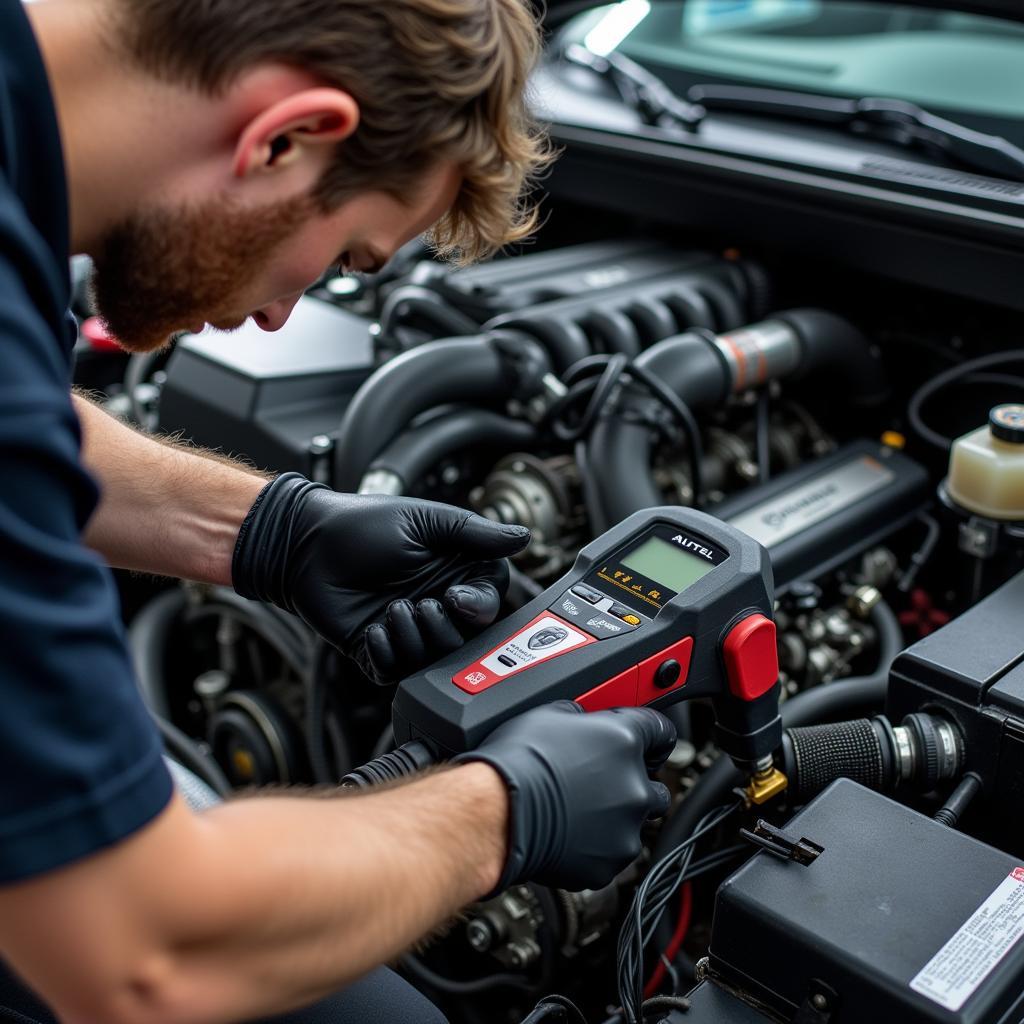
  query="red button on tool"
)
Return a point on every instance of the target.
[
  {"x": 619, "y": 692},
  {"x": 654, "y": 672},
  {"x": 751, "y": 657}
]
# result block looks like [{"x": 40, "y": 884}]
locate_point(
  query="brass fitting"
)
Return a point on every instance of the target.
[{"x": 765, "y": 784}]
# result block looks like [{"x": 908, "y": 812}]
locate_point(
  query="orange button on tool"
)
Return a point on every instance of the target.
[{"x": 751, "y": 657}]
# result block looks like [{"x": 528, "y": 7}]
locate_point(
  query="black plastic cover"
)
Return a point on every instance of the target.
[
  {"x": 819, "y": 515},
  {"x": 266, "y": 396},
  {"x": 891, "y": 888}
]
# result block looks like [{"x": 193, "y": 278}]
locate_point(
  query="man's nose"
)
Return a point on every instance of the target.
[{"x": 274, "y": 316}]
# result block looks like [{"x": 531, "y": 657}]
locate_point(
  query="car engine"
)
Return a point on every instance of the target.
[{"x": 566, "y": 388}]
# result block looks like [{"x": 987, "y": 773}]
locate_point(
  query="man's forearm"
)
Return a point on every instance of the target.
[
  {"x": 165, "y": 509},
  {"x": 259, "y": 905}
]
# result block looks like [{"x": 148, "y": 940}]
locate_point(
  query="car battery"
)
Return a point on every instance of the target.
[
  {"x": 898, "y": 919},
  {"x": 971, "y": 671}
]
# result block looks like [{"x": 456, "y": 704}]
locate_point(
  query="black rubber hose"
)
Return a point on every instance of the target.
[
  {"x": 411, "y": 965},
  {"x": 950, "y": 813},
  {"x": 189, "y": 755},
  {"x": 832, "y": 702},
  {"x": 943, "y": 380},
  {"x": 148, "y": 636},
  {"x": 317, "y": 722},
  {"x": 830, "y": 343},
  {"x": 691, "y": 367},
  {"x": 413, "y": 453},
  {"x": 414, "y": 299},
  {"x": 479, "y": 370}
]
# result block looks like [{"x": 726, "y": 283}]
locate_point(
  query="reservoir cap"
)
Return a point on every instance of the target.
[{"x": 1007, "y": 423}]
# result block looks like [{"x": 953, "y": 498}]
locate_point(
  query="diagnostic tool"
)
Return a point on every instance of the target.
[{"x": 669, "y": 605}]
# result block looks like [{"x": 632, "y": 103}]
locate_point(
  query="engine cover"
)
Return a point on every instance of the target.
[{"x": 267, "y": 396}]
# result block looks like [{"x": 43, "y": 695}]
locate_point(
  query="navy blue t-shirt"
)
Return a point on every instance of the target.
[{"x": 80, "y": 760}]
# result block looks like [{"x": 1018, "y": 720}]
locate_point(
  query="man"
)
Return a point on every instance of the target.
[{"x": 213, "y": 157}]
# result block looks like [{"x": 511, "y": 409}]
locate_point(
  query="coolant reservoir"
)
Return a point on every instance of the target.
[{"x": 986, "y": 468}]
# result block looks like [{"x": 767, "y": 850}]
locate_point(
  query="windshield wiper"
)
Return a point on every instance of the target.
[
  {"x": 894, "y": 121},
  {"x": 638, "y": 88}
]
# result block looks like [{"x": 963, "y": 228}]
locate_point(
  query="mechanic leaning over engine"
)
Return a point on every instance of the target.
[{"x": 214, "y": 157}]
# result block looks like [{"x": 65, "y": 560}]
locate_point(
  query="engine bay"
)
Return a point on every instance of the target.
[{"x": 565, "y": 389}]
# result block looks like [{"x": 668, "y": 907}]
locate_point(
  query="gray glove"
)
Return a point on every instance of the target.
[{"x": 579, "y": 790}]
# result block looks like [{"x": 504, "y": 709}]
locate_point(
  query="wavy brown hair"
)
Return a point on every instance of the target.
[{"x": 436, "y": 81}]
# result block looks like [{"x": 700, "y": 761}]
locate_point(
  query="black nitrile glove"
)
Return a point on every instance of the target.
[
  {"x": 579, "y": 790},
  {"x": 392, "y": 582}
]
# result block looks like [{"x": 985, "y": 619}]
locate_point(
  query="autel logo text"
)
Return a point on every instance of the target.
[{"x": 692, "y": 545}]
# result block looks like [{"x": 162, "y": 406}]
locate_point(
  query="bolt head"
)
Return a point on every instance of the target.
[
  {"x": 819, "y": 1002},
  {"x": 479, "y": 936}
]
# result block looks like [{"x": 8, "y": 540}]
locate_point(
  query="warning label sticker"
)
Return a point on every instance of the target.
[{"x": 963, "y": 963}]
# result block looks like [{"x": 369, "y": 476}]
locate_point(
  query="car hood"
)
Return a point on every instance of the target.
[{"x": 557, "y": 10}]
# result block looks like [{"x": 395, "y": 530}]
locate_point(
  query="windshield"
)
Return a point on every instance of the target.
[{"x": 963, "y": 66}]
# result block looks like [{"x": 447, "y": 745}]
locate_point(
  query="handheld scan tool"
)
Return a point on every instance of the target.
[{"x": 669, "y": 605}]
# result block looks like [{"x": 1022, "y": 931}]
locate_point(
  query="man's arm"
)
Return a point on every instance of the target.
[
  {"x": 257, "y": 906},
  {"x": 164, "y": 509}
]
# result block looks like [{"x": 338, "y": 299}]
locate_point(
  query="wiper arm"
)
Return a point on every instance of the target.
[
  {"x": 638, "y": 88},
  {"x": 894, "y": 121}
]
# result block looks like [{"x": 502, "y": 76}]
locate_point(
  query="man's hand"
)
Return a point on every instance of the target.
[
  {"x": 392, "y": 582},
  {"x": 579, "y": 790}
]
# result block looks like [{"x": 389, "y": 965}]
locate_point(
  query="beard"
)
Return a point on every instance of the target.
[{"x": 165, "y": 269}]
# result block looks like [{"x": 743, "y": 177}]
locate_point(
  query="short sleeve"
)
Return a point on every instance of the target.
[{"x": 80, "y": 759}]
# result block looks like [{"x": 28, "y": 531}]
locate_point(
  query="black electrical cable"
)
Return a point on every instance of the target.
[
  {"x": 596, "y": 390},
  {"x": 831, "y": 702},
  {"x": 426, "y": 976},
  {"x": 959, "y": 800},
  {"x": 688, "y": 422},
  {"x": 921, "y": 556},
  {"x": 556, "y": 1008},
  {"x": 763, "y": 427},
  {"x": 647, "y": 907},
  {"x": 591, "y": 498},
  {"x": 943, "y": 380},
  {"x": 614, "y": 369}
]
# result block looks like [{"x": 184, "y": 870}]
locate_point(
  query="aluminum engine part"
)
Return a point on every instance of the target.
[
  {"x": 817, "y": 643},
  {"x": 507, "y": 927},
  {"x": 538, "y": 493},
  {"x": 730, "y": 457}
]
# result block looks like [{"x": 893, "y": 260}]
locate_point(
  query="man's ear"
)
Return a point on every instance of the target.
[{"x": 292, "y": 128}]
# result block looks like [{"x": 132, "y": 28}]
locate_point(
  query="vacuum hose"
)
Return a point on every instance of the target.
[{"x": 703, "y": 369}]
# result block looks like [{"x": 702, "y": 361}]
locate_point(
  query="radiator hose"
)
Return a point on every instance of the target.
[{"x": 481, "y": 370}]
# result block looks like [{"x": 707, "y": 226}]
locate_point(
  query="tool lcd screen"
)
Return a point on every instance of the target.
[{"x": 667, "y": 564}]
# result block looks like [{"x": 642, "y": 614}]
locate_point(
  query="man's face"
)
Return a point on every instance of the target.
[{"x": 167, "y": 269}]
